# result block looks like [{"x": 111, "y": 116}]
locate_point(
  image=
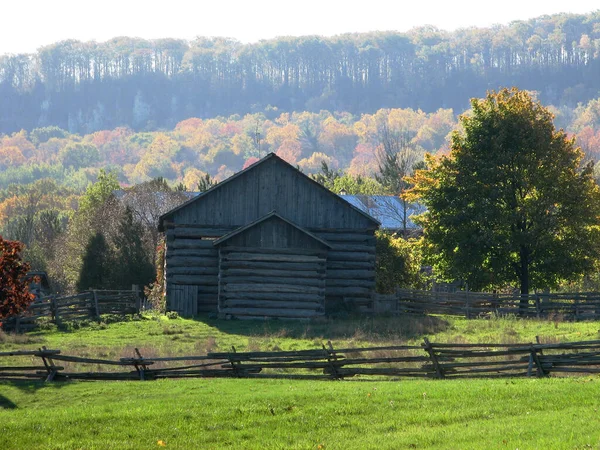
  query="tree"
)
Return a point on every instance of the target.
[
  {"x": 97, "y": 264},
  {"x": 14, "y": 289},
  {"x": 512, "y": 202},
  {"x": 396, "y": 160},
  {"x": 132, "y": 262}
]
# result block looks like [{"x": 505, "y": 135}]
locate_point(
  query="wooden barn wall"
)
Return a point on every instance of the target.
[
  {"x": 270, "y": 186},
  {"x": 274, "y": 233},
  {"x": 191, "y": 260},
  {"x": 191, "y": 274},
  {"x": 271, "y": 282}
]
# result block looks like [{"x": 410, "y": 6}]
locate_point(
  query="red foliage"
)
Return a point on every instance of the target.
[{"x": 14, "y": 288}]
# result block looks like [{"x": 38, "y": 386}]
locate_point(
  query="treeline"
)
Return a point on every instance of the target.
[{"x": 83, "y": 87}]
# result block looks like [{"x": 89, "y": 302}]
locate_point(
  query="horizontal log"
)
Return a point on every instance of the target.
[
  {"x": 273, "y": 251},
  {"x": 186, "y": 261},
  {"x": 350, "y": 256},
  {"x": 199, "y": 244},
  {"x": 271, "y": 312},
  {"x": 246, "y": 303},
  {"x": 346, "y": 237},
  {"x": 244, "y": 287},
  {"x": 267, "y": 281},
  {"x": 333, "y": 283},
  {"x": 188, "y": 231},
  {"x": 192, "y": 271},
  {"x": 235, "y": 256},
  {"x": 7, "y": 368},
  {"x": 272, "y": 273},
  {"x": 350, "y": 265},
  {"x": 353, "y": 291},
  {"x": 352, "y": 274},
  {"x": 267, "y": 265},
  {"x": 192, "y": 280},
  {"x": 370, "y": 249},
  {"x": 280, "y": 296}
]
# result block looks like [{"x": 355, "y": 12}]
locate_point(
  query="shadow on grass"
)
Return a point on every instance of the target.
[
  {"x": 359, "y": 328},
  {"x": 25, "y": 386}
]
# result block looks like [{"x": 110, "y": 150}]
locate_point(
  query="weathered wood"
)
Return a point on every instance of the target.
[
  {"x": 274, "y": 273},
  {"x": 272, "y": 312},
  {"x": 197, "y": 231},
  {"x": 351, "y": 274},
  {"x": 332, "y": 282},
  {"x": 271, "y": 257},
  {"x": 229, "y": 250},
  {"x": 268, "y": 265},
  {"x": 194, "y": 271},
  {"x": 187, "y": 261},
  {"x": 258, "y": 303},
  {"x": 187, "y": 280},
  {"x": 350, "y": 256},
  {"x": 279, "y": 288},
  {"x": 280, "y": 296},
  {"x": 345, "y": 237},
  {"x": 198, "y": 244},
  {"x": 298, "y": 282}
]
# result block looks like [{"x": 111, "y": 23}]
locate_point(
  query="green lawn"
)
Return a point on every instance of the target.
[
  {"x": 256, "y": 414},
  {"x": 159, "y": 336}
]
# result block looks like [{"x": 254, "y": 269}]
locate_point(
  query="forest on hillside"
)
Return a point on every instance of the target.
[{"x": 84, "y": 87}]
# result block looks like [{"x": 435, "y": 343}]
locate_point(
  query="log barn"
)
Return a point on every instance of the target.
[{"x": 268, "y": 242}]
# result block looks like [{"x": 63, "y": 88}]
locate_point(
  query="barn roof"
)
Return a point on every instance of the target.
[
  {"x": 263, "y": 219},
  {"x": 251, "y": 167}
]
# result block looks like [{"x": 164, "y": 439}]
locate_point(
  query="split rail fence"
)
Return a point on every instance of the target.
[
  {"x": 428, "y": 360},
  {"x": 86, "y": 305},
  {"x": 569, "y": 306}
]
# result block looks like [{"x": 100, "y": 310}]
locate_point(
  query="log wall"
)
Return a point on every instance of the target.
[
  {"x": 193, "y": 261},
  {"x": 274, "y": 289}
]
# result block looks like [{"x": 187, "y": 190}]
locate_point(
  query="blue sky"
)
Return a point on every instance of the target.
[{"x": 29, "y": 24}]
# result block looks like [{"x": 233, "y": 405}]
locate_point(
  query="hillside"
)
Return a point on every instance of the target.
[{"x": 84, "y": 87}]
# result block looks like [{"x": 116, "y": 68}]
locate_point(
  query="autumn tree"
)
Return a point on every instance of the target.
[
  {"x": 14, "y": 290},
  {"x": 511, "y": 204},
  {"x": 396, "y": 159}
]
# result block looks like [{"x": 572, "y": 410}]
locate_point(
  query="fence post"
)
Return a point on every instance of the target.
[
  {"x": 334, "y": 373},
  {"x": 577, "y": 307},
  {"x": 235, "y": 364},
  {"x": 138, "y": 298},
  {"x": 429, "y": 348},
  {"x": 95, "y": 296},
  {"x": 18, "y": 324},
  {"x": 537, "y": 305}
]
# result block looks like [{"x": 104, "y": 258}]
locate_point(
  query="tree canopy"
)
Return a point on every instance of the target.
[
  {"x": 14, "y": 289},
  {"x": 512, "y": 202}
]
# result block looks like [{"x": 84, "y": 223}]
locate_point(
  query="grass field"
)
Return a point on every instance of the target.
[
  {"x": 255, "y": 414},
  {"x": 159, "y": 336}
]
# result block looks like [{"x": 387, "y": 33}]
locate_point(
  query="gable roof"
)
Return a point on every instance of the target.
[
  {"x": 252, "y": 167},
  {"x": 263, "y": 219}
]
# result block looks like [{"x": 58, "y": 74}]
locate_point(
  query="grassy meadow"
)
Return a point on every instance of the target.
[{"x": 253, "y": 414}]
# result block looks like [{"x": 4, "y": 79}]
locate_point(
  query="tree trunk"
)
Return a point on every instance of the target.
[{"x": 524, "y": 279}]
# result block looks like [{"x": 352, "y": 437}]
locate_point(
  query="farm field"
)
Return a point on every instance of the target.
[
  {"x": 273, "y": 414},
  {"x": 243, "y": 413}
]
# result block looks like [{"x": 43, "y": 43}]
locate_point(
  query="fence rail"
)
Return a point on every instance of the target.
[
  {"x": 86, "y": 305},
  {"x": 428, "y": 360},
  {"x": 570, "y": 306}
]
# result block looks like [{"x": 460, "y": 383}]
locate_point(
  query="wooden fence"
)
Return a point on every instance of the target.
[
  {"x": 86, "y": 305},
  {"x": 428, "y": 360},
  {"x": 570, "y": 306}
]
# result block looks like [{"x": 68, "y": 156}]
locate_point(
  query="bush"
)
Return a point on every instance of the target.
[
  {"x": 398, "y": 263},
  {"x": 172, "y": 315}
]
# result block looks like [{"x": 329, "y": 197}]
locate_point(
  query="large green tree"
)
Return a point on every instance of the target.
[{"x": 511, "y": 203}]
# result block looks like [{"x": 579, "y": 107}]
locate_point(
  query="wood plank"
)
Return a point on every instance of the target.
[{"x": 276, "y": 288}]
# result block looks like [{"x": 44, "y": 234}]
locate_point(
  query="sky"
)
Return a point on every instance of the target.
[{"x": 30, "y": 24}]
